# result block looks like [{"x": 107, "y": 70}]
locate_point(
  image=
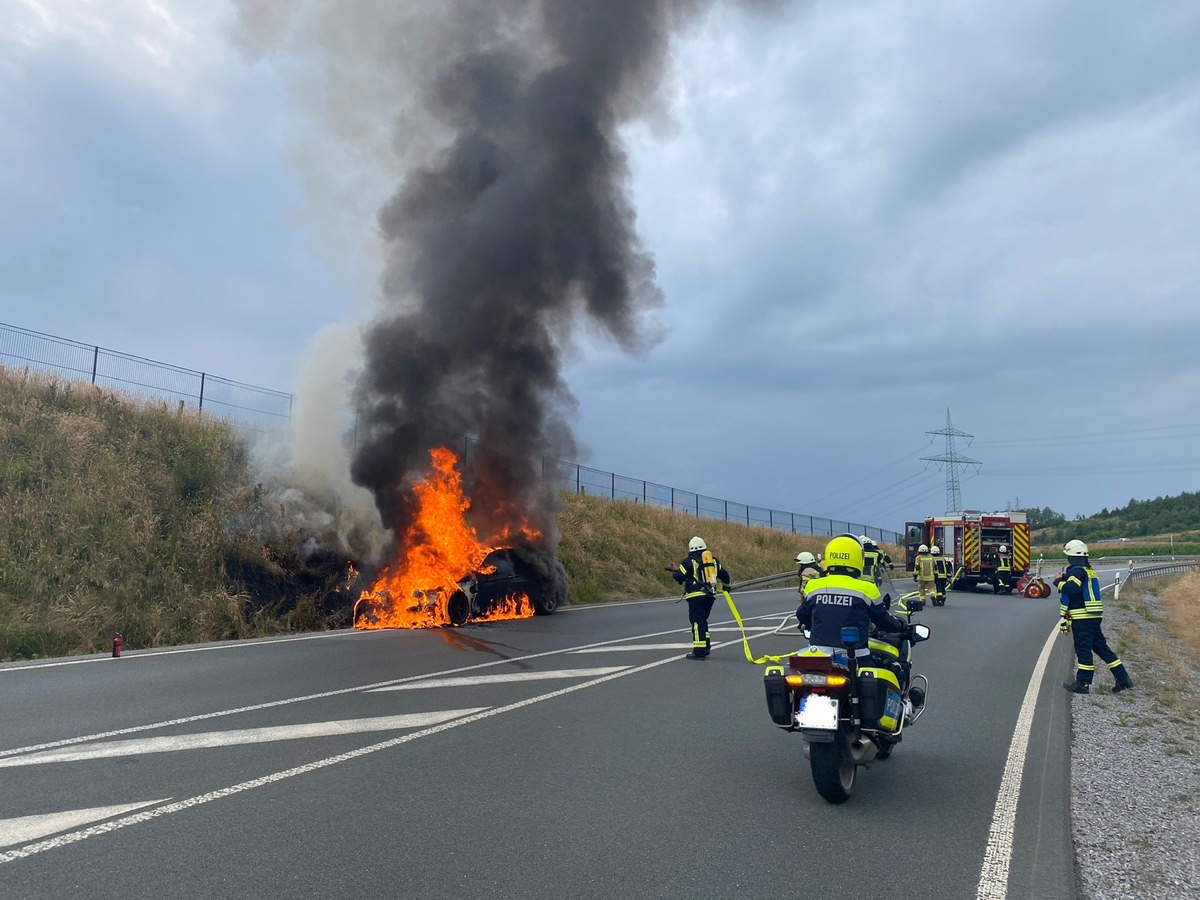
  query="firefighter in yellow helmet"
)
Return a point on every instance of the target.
[
  {"x": 701, "y": 575},
  {"x": 924, "y": 571}
]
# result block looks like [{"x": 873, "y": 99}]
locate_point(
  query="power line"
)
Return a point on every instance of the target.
[{"x": 952, "y": 460}]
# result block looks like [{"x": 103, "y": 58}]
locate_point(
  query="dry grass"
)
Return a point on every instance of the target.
[
  {"x": 112, "y": 519},
  {"x": 1180, "y": 601},
  {"x": 617, "y": 550},
  {"x": 122, "y": 515}
]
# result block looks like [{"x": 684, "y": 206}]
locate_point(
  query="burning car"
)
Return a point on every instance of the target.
[
  {"x": 508, "y": 584},
  {"x": 444, "y": 574},
  {"x": 505, "y": 585}
]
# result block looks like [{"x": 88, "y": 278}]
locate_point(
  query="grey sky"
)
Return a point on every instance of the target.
[{"x": 862, "y": 214}]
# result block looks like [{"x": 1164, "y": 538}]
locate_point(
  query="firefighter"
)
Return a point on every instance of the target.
[
  {"x": 941, "y": 575},
  {"x": 809, "y": 569},
  {"x": 1003, "y": 571},
  {"x": 923, "y": 572},
  {"x": 842, "y": 599},
  {"x": 870, "y": 567},
  {"x": 701, "y": 575},
  {"x": 1082, "y": 610}
]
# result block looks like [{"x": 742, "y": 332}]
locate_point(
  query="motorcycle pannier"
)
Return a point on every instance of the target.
[{"x": 880, "y": 699}]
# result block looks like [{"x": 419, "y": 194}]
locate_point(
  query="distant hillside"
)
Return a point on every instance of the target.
[{"x": 1139, "y": 521}]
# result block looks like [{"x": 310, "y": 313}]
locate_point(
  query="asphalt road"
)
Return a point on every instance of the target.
[{"x": 573, "y": 755}]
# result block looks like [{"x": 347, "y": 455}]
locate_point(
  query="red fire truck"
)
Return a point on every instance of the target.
[{"x": 972, "y": 540}]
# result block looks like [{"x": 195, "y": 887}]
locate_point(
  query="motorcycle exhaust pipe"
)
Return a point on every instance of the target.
[{"x": 863, "y": 752}]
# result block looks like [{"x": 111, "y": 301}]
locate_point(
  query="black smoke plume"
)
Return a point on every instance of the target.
[{"x": 514, "y": 230}]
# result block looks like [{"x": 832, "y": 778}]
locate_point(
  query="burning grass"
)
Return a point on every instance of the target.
[{"x": 121, "y": 515}]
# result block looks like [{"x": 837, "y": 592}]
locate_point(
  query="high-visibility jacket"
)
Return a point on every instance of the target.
[
  {"x": 923, "y": 567},
  {"x": 1079, "y": 593},
  {"x": 699, "y": 573},
  {"x": 870, "y": 561}
]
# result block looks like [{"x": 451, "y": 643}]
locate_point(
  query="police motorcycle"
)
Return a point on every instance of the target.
[{"x": 851, "y": 710}]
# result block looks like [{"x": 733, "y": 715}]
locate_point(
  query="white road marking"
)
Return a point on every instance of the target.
[
  {"x": 322, "y": 695},
  {"x": 30, "y": 828},
  {"x": 72, "y": 837},
  {"x": 502, "y": 678},
  {"x": 210, "y": 739},
  {"x": 150, "y": 654},
  {"x": 997, "y": 858},
  {"x": 625, "y": 647},
  {"x": 737, "y": 630}
]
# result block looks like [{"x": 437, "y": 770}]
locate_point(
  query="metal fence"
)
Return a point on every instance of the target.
[
  {"x": 244, "y": 404},
  {"x": 251, "y": 406}
]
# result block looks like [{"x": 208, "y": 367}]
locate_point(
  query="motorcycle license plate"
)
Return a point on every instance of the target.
[{"x": 817, "y": 711}]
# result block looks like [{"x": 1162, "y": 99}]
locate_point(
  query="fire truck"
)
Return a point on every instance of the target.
[{"x": 972, "y": 540}]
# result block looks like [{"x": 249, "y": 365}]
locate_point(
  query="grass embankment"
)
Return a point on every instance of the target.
[
  {"x": 618, "y": 550},
  {"x": 123, "y": 516}
]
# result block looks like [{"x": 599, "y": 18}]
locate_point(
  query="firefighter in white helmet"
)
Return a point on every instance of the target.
[
  {"x": 923, "y": 573},
  {"x": 701, "y": 575},
  {"x": 940, "y": 575},
  {"x": 808, "y": 569},
  {"x": 1082, "y": 610},
  {"x": 1003, "y": 580}
]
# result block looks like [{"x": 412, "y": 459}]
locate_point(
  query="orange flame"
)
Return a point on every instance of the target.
[{"x": 440, "y": 549}]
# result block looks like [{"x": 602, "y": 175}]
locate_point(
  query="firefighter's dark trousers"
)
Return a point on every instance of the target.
[
  {"x": 699, "y": 608},
  {"x": 1089, "y": 639},
  {"x": 939, "y": 587}
]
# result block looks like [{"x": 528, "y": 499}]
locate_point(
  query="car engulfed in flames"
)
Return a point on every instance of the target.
[{"x": 444, "y": 575}]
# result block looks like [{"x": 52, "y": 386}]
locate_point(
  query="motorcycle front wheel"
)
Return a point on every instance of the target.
[{"x": 833, "y": 769}]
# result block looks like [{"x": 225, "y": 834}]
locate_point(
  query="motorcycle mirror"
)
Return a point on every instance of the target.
[{"x": 920, "y": 633}]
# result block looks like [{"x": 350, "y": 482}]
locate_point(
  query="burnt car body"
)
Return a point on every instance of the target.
[{"x": 503, "y": 574}]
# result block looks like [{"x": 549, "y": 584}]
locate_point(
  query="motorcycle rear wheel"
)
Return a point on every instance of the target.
[{"x": 833, "y": 769}]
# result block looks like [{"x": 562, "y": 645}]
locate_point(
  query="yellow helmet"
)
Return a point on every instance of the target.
[{"x": 844, "y": 551}]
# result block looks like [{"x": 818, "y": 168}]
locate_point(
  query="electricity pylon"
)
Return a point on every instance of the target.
[{"x": 953, "y": 460}]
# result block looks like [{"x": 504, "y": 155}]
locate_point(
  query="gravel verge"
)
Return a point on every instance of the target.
[{"x": 1135, "y": 763}]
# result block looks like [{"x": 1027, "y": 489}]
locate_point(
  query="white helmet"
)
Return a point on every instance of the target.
[
  {"x": 935, "y": 550},
  {"x": 924, "y": 548},
  {"x": 1003, "y": 548},
  {"x": 863, "y": 539},
  {"x": 697, "y": 543},
  {"x": 1075, "y": 548},
  {"x": 805, "y": 558}
]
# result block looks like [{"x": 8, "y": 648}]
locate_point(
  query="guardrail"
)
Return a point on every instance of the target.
[{"x": 1175, "y": 567}]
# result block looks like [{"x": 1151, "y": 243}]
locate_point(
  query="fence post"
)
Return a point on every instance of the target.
[
  {"x": 201, "y": 390},
  {"x": 747, "y": 513},
  {"x": 95, "y": 361},
  {"x": 672, "y": 499},
  {"x": 577, "y": 478},
  {"x": 613, "y": 491},
  {"x": 697, "y": 504},
  {"x": 726, "y": 510}
]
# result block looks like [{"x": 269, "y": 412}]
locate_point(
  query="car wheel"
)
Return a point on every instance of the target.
[
  {"x": 546, "y": 603},
  {"x": 458, "y": 609}
]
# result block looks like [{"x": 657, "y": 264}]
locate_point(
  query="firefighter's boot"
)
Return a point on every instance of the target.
[
  {"x": 1078, "y": 687},
  {"x": 1124, "y": 682}
]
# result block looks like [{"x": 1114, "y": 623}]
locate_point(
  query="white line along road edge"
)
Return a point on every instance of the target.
[{"x": 993, "y": 879}]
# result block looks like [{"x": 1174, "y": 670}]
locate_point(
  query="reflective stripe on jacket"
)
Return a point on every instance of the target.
[{"x": 1079, "y": 594}]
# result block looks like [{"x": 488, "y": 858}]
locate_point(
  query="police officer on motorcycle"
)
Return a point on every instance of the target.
[{"x": 842, "y": 598}]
